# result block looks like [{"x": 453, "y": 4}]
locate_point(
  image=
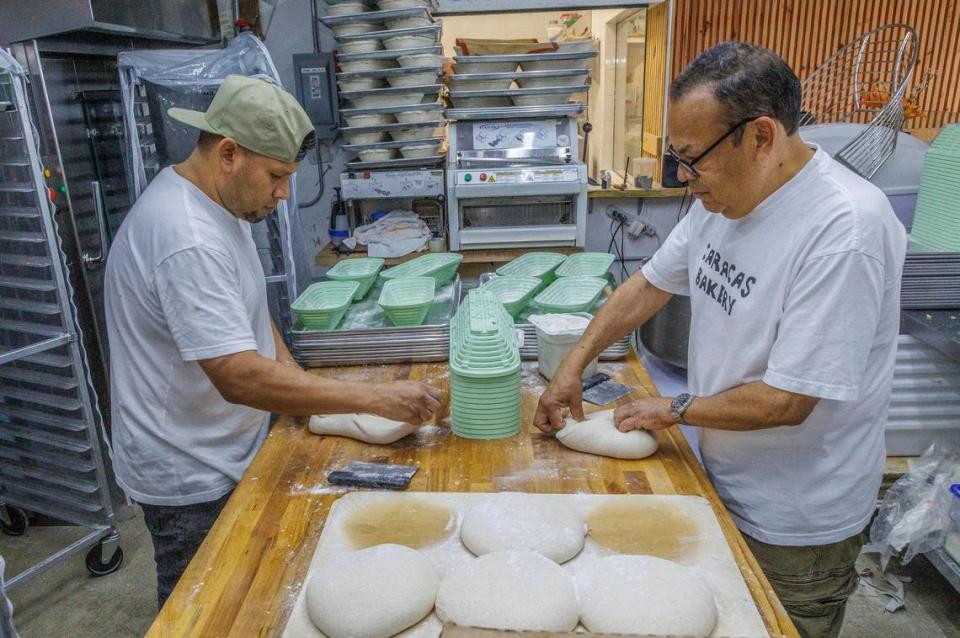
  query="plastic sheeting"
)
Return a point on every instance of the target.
[{"x": 189, "y": 78}]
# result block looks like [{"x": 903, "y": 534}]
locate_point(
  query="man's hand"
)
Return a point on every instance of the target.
[
  {"x": 564, "y": 391},
  {"x": 409, "y": 401},
  {"x": 645, "y": 414}
]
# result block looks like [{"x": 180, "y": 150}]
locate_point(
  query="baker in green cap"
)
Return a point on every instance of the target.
[{"x": 196, "y": 363}]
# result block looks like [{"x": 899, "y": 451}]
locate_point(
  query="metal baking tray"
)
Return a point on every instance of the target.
[
  {"x": 386, "y": 128},
  {"x": 375, "y": 16},
  {"x": 393, "y": 90},
  {"x": 365, "y": 335},
  {"x": 356, "y": 148},
  {"x": 545, "y": 90},
  {"x": 429, "y": 106},
  {"x": 507, "y": 112},
  {"x": 520, "y": 75},
  {"x": 433, "y": 29},
  {"x": 390, "y": 54},
  {"x": 527, "y": 57},
  {"x": 397, "y": 162},
  {"x": 388, "y": 73},
  {"x": 369, "y": 3}
]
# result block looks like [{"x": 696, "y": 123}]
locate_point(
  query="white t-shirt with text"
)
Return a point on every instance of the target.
[{"x": 803, "y": 293}]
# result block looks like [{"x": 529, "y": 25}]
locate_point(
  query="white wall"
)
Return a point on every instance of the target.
[{"x": 497, "y": 26}]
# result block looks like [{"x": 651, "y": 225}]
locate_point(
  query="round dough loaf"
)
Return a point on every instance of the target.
[
  {"x": 599, "y": 435},
  {"x": 509, "y": 590},
  {"x": 521, "y": 522},
  {"x": 368, "y": 428},
  {"x": 645, "y": 595},
  {"x": 372, "y": 593}
]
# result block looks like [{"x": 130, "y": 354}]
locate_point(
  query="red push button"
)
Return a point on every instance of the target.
[{"x": 483, "y": 177}]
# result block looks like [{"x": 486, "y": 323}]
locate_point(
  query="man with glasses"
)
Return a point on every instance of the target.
[
  {"x": 792, "y": 264},
  {"x": 196, "y": 364}
]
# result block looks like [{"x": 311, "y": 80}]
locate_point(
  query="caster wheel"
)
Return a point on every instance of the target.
[
  {"x": 95, "y": 564},
  {"x": 13, "y": 520}
]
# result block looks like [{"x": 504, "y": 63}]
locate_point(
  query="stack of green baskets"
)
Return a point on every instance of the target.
[
  {"x": 570, "y": 294},
  {"x": 936, "y": 222},
  {"x": 363, "y": 270},
  {"x": 484, "y": 370},
  {"x": 543, "y": 266},
  {"x": 322, "y": 305},
  {"x": 441, "y": 266},
  {"x": 585, "y": 265},
  {"x": 514, "y": 292},
  {"x": 406, "y": 301}
]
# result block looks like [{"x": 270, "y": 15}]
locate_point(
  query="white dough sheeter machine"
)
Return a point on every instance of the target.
[{"x": 515, "y": 181}]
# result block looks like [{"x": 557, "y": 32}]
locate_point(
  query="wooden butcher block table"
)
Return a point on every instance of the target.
[{"x": 248, "y": 574}]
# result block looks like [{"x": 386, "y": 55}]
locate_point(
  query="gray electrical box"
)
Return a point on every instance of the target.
[{"x": 317, "y": 90}]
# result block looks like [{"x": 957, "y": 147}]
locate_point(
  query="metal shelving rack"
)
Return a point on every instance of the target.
[{"x": 52, "y": 441}]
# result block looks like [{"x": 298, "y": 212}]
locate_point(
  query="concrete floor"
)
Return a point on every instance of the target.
[{"x": 124, "y": 603}]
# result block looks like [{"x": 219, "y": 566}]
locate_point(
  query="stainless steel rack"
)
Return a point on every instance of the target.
[{"x": 53, "y": 446}]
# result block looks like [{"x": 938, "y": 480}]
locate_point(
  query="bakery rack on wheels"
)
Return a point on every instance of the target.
[{"x": 53, "y": 447}]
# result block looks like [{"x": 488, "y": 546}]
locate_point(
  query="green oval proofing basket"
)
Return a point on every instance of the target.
[
  {"x": 570, "y": 294},
  {"x": 363, "y": 270},
  {"x": 585, "y": 265},
  {"x": 407, "y": 301},
  {"x": 322, "y": 305},
  {"x": 543, "y": 266},
  {"x": 441, "y": 266},
  {"x": 514, "y": 292}
]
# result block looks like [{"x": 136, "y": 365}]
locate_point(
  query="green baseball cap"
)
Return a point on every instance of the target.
[{"x": 258, "y": 114}]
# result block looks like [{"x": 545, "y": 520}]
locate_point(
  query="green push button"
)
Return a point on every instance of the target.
[{"x": 468, "y": 177}]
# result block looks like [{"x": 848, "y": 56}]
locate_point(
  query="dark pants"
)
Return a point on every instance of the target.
[
  {"x": 812, "y": 582},
  {"x": 177, "y": 532}
]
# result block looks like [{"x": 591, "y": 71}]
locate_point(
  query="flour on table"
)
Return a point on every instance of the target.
[
  {"x": 517, "y": 521},
  {"x": 598, "y": 435},
  {"x": 372, "y": 593},
  {"x": 645, "y": 595},
  {"x": 368, "y": 428},
  {"x": 509, "y": 590}
]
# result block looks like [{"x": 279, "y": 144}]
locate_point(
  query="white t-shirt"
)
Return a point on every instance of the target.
[
  {"x": 804, "y": 294},
  {"x": 183, "y": 283}
]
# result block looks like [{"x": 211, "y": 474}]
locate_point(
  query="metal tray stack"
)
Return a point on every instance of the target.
[
  {"x": 931, "y": 279},
  {"x": 542, "y": 87},
  {"x": 366, "y": 336},
  {"x": 390, "y": 64}
]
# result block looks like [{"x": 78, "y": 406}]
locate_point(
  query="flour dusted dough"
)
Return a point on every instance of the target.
[
  {"x": 598, "y": 435},
  {"x": 516, "y": 521},
  {"x": 509, "y": 590},
  {"x": 362, "y": 427},
  {"x": 372, "y": 593},
  {"x": 645, "y": 595}
]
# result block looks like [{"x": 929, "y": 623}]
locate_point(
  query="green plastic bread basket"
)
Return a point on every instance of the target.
[{"x": 407, "y": 301}]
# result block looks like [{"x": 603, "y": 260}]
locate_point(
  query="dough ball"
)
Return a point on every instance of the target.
[
  {"x": 645, "y": 595},
  {"x": 598, "y": 435},
  {"x": 509, "y": 590},
  {"x": 521, "y": 522},
  {"x": 372, "y": 593},
  {"x": 368, "y": 428}
]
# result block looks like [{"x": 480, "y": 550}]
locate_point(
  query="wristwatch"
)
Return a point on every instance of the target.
[{"x": 680, "y": 404}]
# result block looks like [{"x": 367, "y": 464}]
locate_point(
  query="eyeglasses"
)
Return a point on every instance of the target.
[{"x": 689, "y": 165}]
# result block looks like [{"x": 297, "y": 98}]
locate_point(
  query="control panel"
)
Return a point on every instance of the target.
[
  {"x": 317, "y": 91},
  {"x": 518, "y": 176}
]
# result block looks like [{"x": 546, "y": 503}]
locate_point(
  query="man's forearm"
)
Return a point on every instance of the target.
[
  {"x": 752, "y": 406},
  {"x": 283, "y": 353},
  {"x": 629, "y": 307},
  {"x": 271, "y": 386}
]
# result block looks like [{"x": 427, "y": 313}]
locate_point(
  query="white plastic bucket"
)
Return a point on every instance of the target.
[{"x": 557, "y": 334}]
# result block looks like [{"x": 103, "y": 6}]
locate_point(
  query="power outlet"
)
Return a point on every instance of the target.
[{"x": 617, "y": 215}]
